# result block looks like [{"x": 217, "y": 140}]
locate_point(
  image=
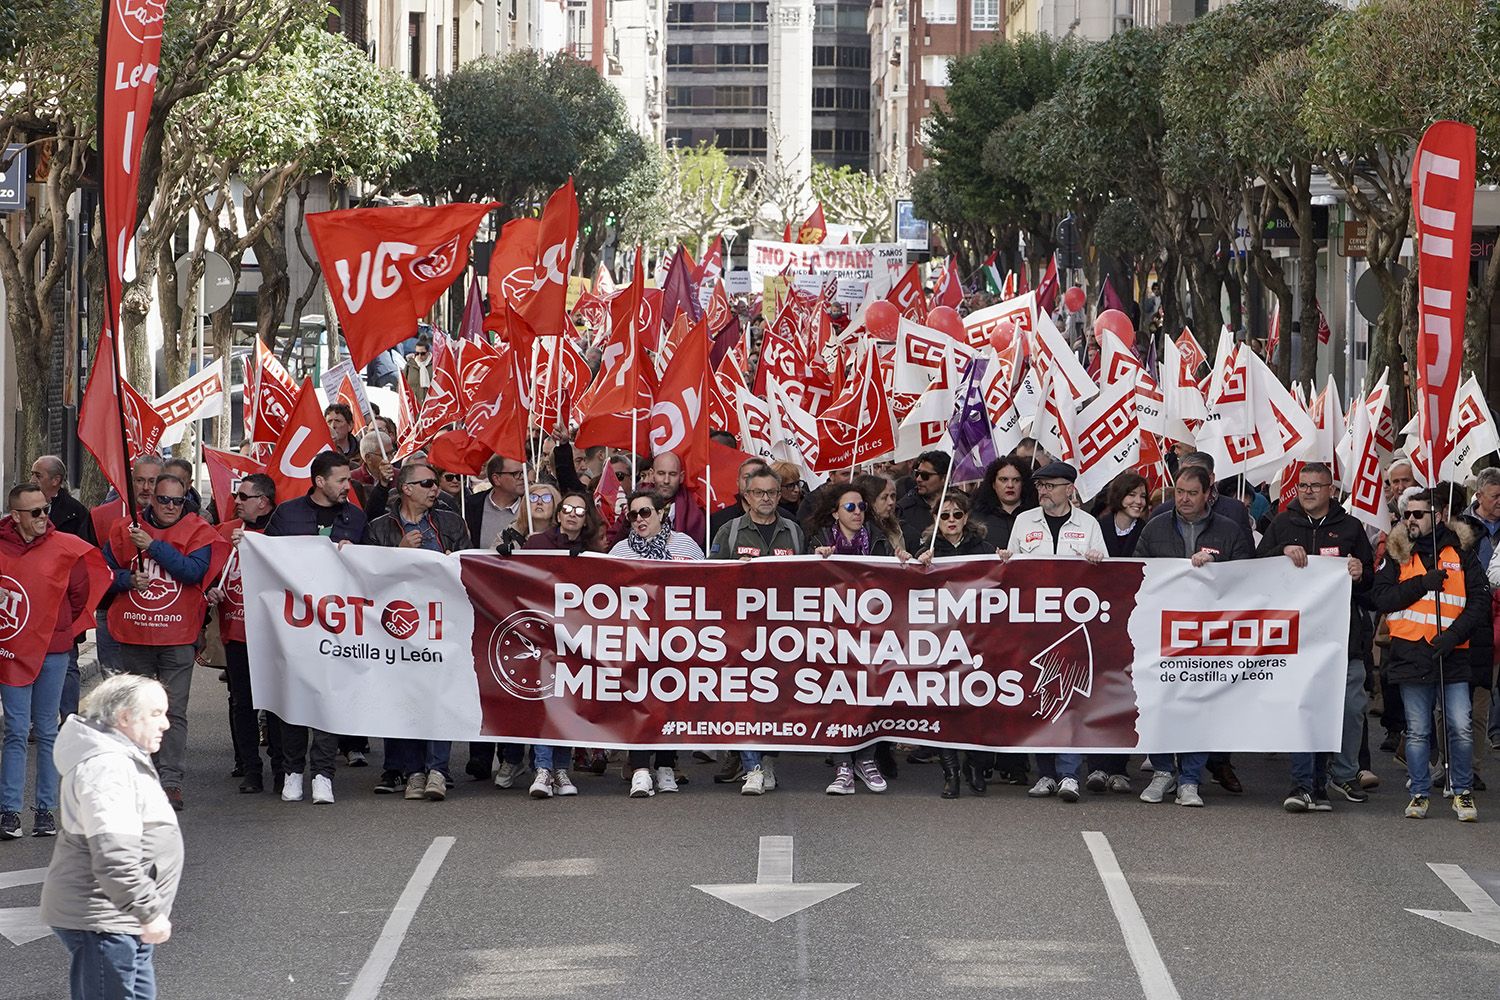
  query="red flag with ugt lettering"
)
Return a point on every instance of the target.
[
  {"x": 270, "y": 395},
  {"x": 385, "y": 267},
  {"x": 105, "y": 399},
  {"x": 511, "y": 268},
  {"x": 907, "y": 295},
  {"x": 949, "y": 291},
  {"x": 305, "y": 435},
  {"x": 856, "y": 427},
  {"x": 545, "y": 307},
  {"x": 1442, "y": 199},
  {"x": 225, "y": 470}
]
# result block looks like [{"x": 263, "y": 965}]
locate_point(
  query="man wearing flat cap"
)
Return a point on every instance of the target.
[{"x": 1055, "y": 527}]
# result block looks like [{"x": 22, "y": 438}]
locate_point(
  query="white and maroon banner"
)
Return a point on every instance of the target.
[{"x": 1045, "y": 654}]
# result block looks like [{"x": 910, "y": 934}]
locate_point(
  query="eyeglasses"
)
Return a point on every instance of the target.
[
  {"x": 451, "y": 477},
  {"x": 38, "y": 512},
  {"x": 541, "y": 497},
  {"x": 426, "y": 484},
  {"x": 170, "y": 501},
  {"x": 953, "y": 515},
  {"x": 420, "y": 354},
  {"x": 1415, "y": 515},
  {"x": 641, "y": 513},
  {"x": 1052, "y": 484},
  {"x": 852, "y": 507},
  {"x": 245, "y": 497},
  {"x": 919, "y": 474},
  {"x": 761, "y": 494},
  {"x": 568, "y": 508},
  {"x": 792, "y": 486},
  {"x": 1313, "y": 486}
]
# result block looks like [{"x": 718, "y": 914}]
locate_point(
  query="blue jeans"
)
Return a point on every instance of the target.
[
  {"x": 28, "y": 708},
  {"x": 750, "y": 759},
  {"x": 105, "y": 646},
  {"x": 71, "y": 686},
  {"x": 1494, "y": 725},
  {"x": 1313, "y": 770},
  {"x": 1458, "y": 710},
  {"x": 558, "y": 758},
  {"x": 411, "y": 756},
  {"x": 108, "y": 966},
  {"x": 1188, "y": 767}
]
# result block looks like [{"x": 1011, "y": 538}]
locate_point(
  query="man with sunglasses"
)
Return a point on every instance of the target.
[
  {"x": 417, "y": 522},
  {"x": 914, "y": 509},
  {"x": 1315, "y": 524},
  {"x": 162, "y": 567},
  {"x": 254, "y": 503},
  {"x": 1435, "y": 597}
]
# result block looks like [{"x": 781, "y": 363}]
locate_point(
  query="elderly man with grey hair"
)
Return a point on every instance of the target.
[
  {"x": 114, "y": 873},
  {"x": 1483, "y": 515}
]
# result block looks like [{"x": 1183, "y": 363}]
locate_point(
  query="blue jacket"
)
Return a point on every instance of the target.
[
  {"x": 300, "y": 517},
  {"x": 188, "y": 568}
]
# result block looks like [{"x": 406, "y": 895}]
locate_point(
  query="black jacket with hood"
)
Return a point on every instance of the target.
[
  {"x": 1416, "y": 661},
  {"x": 1336, "y": 533}
]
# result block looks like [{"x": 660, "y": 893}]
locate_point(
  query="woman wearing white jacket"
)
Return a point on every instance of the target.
[{"x": 109, "y": 890}]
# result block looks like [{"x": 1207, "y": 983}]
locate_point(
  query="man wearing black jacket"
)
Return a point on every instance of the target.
[
  {"x": 1227, "y": 507},
  {"x": 1314, "y": 524},
  {"x": 914, "y": 509},
  {"x": 1432, "y": 613}
]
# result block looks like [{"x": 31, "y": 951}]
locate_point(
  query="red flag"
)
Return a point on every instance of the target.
[
  {"x": 269, "y": 397},
  {"x": 622, "y": 383},
  {"x": 459, "y": 451},
  {"x": 497, "y": 418},
  {"x": 225, "y": 470},
  {"x": 1442, "y": 199},
  {"x": 1193, "y": 355},
  {"x": 443, "y": 403},
  {"x": 712, "y": 265},
  {"x": 856, "y": 427},
  {"x": 1046, "y": 292},
  {"x": 406, "y": 409},
  {"x": 1274, "y": 337},
  {"x": 562, "y": 376},
  {"x": 545, "y": 306},
  {"x": 350, "y": 398},
  {"x": 948, "y": 291},
  {"x": 814, "y": 229},
  {"x": 1023, "y": 281},
  {"x": 907, "y": 295},
  {"x": 606, "y": 493},
  {"x": 780, "y": 352},
  {"x": 385, "y": 267},
  {"x": 511, "y": 267},
  {"x": 105, "y": 399},
  {"x": 679, "y": 291},
  {"x": 471, "y": 327},
  {"x": 1323, "y": 332},
  {"x": 305, "y": 435}
]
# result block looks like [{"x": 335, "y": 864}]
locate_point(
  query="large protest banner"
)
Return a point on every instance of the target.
[
  {"x": 859, "y": 260},
  {"x": 804, "y": 654}
]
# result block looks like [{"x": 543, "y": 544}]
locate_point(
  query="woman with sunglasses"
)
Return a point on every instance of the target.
[
  {"x": 574, "y": 526},
  {"x": 649, "y": 538},
  {"x": 954, "y": 533},
  {"x": 840, "y": 525}
]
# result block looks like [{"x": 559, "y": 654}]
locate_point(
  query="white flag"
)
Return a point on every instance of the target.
[{"x": 199, "y": 398}]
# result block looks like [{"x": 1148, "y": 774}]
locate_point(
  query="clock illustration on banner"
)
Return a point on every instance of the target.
[{"x": 520, "y": 659}]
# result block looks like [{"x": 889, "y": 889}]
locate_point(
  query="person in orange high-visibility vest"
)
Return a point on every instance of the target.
[{"x": 1433, "y": 606}]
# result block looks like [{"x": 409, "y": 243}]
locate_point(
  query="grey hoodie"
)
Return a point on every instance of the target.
[{"x": 118, "y": 857}]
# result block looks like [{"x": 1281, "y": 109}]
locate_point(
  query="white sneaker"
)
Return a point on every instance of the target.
[
  {"x": 1044, "y": 787},
  {"x": 755, "y": 782},
  {"x": 291, "y": 788},
  {"x": 867, "y": 771},
  {"x": 843, "y": 781},
  {"x": 565, "y": 786},
  {"x": 640, "y": 784},
  {"x": 768, "y": 765},
  {"x": 666, "y": 779},
  {"x": 1067, "y": 789},
  {"x": 541, "y": 786},
  {"x": 508, "y": 773},
  {"x": 322, "y": 790},
  {"x": 1162, "y": 782},
  {"x": 1187, "y": 795}
]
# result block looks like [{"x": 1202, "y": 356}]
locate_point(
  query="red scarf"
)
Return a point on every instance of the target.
[
  {"x": 33, "y": 591},
  {"x": 168, "y": 613}
]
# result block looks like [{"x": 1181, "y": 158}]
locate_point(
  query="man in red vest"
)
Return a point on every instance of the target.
[
  {"x": 254, "y": 501},
  {"x": 50, "y": 582},
  {"x": 102, "y": 519},
  {"x": 161, "y": 568}
]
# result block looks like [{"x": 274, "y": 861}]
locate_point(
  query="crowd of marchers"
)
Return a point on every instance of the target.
[{"x": 1420, "y": 640}]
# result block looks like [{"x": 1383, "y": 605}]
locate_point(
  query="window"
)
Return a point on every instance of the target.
[
  {"x": 823, "y": 55},
  {"x": 741, "y": 141},
  {"x": 679, "y": 137},
  {"x": 679, "y": 55},
  {"x": 823, "y": 97},
  {"x": 741, "y": 54},
  {"x": 848, "y": 140},
  {"x": 823, "y": 17},
  {"x": 940, "y": 11},
  {"x": 852, "y": 58},
  {"x": 841, "y": 99},
  {"x": 680, "y": 13},
  {"x": 822, "y": 140},
  {"x": 739, "y": 98},
  {"x": 679, "y": 97},
  {"x": 935, "y": 70},
  {"x": 985, "y": 15}
]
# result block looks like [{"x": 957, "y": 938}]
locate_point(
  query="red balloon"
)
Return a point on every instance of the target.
[
  {"x": 1001, "y": 336},
  {"x": 947, "y": 319},
  {"x": 881, "y": 320},
  {"x": 1074, "y": 299},
  {"x": 1115, "y": 322}
]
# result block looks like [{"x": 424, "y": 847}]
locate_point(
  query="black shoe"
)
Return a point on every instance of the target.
[
  {"x": 885, "y": 760},
  {"x": 1349, "y": 790},
  {"x": 475, "y": 768},
  {"x": 1298, "y": 800},
  {"x": 253, "y": 783},
  {"x": 1225, "y": 776},
  {"x": 973, "y": 771},
  {"x": 174, "y": 796},
  {"x": 1015, "y": 778},
  {"x": 42, "y": 823},
  {"x": 238, "y": 772},
  {"x": 732, "y": 769},
  {"x": 1390, "y": 743},
  {"x": 277, "y": 781},
  {"x": 10, "y": 826},
  {"x": 951, "y": 782},
  {"x": 390, "y": 782},
  {"x": 922, "y": 755},
  {"x": 599, "y": 762}
]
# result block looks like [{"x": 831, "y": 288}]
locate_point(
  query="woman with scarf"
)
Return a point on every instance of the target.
[
  {"x": 842, "y": 524},
  {"x": 649, "y": 538}
]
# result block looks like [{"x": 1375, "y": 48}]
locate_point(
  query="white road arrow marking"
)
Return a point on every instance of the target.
[
  {"x": 1483, "y": 916},
  {"x": 22, "y": 924},
  {"x": 773, "y": 894}
]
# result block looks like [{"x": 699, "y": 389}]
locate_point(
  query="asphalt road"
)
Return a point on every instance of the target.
[{"x": 593, "y": 897}]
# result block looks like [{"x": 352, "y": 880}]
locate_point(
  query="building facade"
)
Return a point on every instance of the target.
[{"x": 720, "y": 79}]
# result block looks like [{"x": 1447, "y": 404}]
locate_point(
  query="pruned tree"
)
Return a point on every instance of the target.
[{"x": 856, "y": 198}]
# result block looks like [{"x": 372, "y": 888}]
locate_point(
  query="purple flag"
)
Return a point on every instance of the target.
[
  {"x": 973, "y": 444},
  {"x": 1110, "y": 299},
  {"x": 472, "y": 326},
  {"x": 678, "y": 291}
]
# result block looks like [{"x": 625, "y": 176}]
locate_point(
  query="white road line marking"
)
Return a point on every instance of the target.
[
  {"x": 372, "y": 974},
  {"x": 556, "y": 868},
  {"x": 1156, "y": 981},
  {"x": 1481, "y": 916},
  {"x": 27, "y": 876}
]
